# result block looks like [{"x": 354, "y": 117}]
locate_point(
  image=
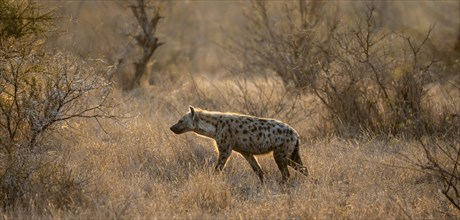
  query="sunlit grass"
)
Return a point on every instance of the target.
[{"x": 139, "y": 169}]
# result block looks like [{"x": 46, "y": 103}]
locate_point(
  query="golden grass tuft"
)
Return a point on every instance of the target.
[{"x": 205, "y": 192}]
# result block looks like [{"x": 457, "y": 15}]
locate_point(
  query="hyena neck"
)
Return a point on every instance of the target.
[{"x": 207, "y": 124}]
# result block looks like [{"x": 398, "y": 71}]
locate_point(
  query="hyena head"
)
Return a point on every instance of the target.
[{"x": 188, "y": 122}]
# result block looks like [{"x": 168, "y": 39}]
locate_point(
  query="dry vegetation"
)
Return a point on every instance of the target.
[{"x": 377, "y": 109}]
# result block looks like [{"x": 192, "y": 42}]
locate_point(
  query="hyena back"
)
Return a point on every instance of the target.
[{"x": 246, "y": 135}]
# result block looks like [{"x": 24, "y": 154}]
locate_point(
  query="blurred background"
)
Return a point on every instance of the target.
[{"x": 197, "y": 34}]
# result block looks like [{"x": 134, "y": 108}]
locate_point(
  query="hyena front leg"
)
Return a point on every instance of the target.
[
  {"x": 224, "y": 154},
  {"x": 254, "y": 165}
]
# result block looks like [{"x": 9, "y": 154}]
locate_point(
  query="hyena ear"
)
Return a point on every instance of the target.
[{"x": 192, "y": 110}]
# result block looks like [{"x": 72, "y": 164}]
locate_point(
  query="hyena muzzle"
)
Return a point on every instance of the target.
[{"x": 247, "y": 135}]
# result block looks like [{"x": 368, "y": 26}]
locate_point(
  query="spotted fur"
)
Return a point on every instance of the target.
[{"x": 247, "y": 135}]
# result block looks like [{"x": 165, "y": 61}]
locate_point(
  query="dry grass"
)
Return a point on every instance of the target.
[
  {"x": 139, "y": 169},
  {"x": 135, "y": 167}
]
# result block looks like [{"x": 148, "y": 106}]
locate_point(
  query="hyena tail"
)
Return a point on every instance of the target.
[{"x": 295, "y": 160}]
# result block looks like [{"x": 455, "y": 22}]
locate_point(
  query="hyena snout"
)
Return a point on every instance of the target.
[{"x": 177, "y": 129}]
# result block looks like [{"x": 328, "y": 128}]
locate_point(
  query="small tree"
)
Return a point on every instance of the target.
[
  {"x": 38, "y": 91},
  {"x": 146, "y": 39}
]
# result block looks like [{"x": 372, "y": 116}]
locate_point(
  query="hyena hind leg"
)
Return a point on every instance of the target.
[{"x": 282, "y": 162}]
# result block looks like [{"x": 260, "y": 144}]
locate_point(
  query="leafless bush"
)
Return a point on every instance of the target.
[
  {"x": 39, "y": 91},
  {"x": 377, "y": 80},
  {"x": 344, "y": 85},
  {"x": 444, "y": 163},
  {"x": 441, "y": 161},
  {"x": 290, "y": 43},
  {"x": 38, "y": 94}
]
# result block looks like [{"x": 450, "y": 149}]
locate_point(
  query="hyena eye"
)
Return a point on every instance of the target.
[{"x": 180, "y": 121}]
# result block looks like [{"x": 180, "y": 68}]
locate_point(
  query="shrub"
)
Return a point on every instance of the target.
[
  {"x": 443, "y": 163},
  {"x": 289, "y": 42},
  {"x": 377, "y": 81},
  {"x": 40, "y": 90}
]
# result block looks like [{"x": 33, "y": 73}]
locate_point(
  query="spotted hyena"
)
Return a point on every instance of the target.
[{"x": 247, "y": 135}]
